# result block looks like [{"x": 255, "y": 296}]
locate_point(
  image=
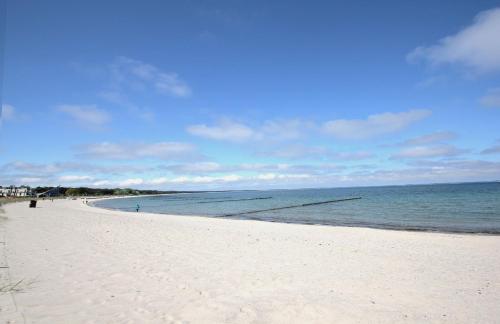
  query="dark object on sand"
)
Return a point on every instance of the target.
[{"x": 32, "y": 203}]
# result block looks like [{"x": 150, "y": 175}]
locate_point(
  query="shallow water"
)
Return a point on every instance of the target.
[{"x": 470, "y": 207}]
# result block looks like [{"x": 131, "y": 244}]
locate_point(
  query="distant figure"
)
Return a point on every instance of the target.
[{"x": 137, "y": 208}]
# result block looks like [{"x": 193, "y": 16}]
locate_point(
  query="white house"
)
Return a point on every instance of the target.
[{"x": 12, "y": 191}]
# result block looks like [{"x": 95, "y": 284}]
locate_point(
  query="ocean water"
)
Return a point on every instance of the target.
[{"x": 468, "y": 208}]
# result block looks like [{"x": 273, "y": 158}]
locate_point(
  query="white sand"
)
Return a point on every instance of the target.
[{"x": 81, "y": 264}]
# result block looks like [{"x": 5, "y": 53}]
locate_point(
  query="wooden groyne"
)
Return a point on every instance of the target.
[
  {"x": 293, "y": 206},
  {"x": 243, "y": 199}
]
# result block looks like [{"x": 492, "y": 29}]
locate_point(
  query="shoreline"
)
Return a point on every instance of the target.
[
  {"x": 369, "y": 226},
  {"x": 81, "y": 264}
]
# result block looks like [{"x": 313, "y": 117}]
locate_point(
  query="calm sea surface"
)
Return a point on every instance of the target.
[{"x": 471, "y": 207}]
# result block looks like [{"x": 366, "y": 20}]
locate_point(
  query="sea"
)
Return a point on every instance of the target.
[{"x": 460, "y": 208}]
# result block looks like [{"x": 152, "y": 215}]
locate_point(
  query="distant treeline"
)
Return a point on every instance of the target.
[{"x": 84, "y": 191}]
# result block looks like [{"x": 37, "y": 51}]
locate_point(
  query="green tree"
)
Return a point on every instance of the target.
[{"x": 73, "y": 192}]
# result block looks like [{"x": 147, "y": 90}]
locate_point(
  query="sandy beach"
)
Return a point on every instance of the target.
[{"x": 66, "y": 262}]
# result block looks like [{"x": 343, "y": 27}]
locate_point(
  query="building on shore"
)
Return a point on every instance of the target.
[{"x": 12, "y": 191}]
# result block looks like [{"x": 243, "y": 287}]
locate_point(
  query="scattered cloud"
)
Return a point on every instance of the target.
[
  {"x": 420, "y": 172},
  {"x": 423, "y": 172},
  {"x": 60, "y": 167},
  {"x": 8, "y": 112},
  {"x": 224, "y": 130},
  {"x": 436, "y": 137},
  {"x": 288, "y": 176},
  {"x": 229, "y": 130},
  {"x": 352, "y": 156},
  {"x": 131, "y": 151},
  {"x": 102, "y": 183},
  {"x": 476, "y": 46},
  {"x": 127, "y": 73},
  {"x": 202, "y": 179},
  {"x": 86, "y": 115},
  {"x": 495, "y": 149},
  {"x": 131, "y": 182},
  {"x": 124, "y": 79},
  {"x": 293, "y": 129},
  {"x": 29, "y": 180},
  {"x": 297, "y": 151},
  {"x": 203, "y": 168},
  {"x": 213, "y": 180},
  {"x": 419, "y": 152},
  {"x": 300, "y": 151},
  {"x": 75, "y": 178},
  {"x": 67, "y": 173},
  {"x": 491, "y": 99},
  {"x": 374, "y": 125},
  {"x": 115, "y": 97},
  {"x": 285, "y": 129},
  {"x": 196, "y": 168}
]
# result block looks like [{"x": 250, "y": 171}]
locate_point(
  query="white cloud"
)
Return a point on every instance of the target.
[
  {"x": 119, "y": 151},
  {"x": 131, "y": 182},
  {"x": 137, "y": 75},
  {"x": 204, "y": 179},
  {"x": 475, "y": 46},
  {"x": 212, "y": 180},
  {"x": 374, "y": 125},
  {"x": 86, "y": 115},
  {"x": 8, "y": 112},
  {"x": 492, "y": 98},
  {"x": 308, "y": 152},
  {"x": 297, "y": 151},
  {"x": 270, "y": 130},
  {"x": 158, "y": 181},
  {"x": 352, "y": 156},
  {"x": 495, "y": 149},
  {"x": 200, "y": 167},
  {"x": 226, "y": 130},
  {"x": 29, "y": 180},
  {"x": 101, "y": 183},
  {"x": 429, "y": 172},
  {"x": 283, "y": 129},
  {"x": 436, "y": 137},
  {"x": 419, "y": 172},
  {"x": 273, "y": 131},
  {"x": 295, "y": 176},
  {"x": 275, "y": 176},
  {"x": 75, "y": 178},
  {"x": 50, "y": 169},
  {"x": 115, "y": 97},
  {"x": 124, "y": 77},
  {"x": 419, "y": 152}
]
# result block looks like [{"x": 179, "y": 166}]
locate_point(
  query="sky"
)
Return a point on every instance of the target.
[{"x": 200, "y": 95}]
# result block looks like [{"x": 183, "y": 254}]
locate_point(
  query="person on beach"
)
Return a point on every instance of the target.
[{"x": 137, "y": 208}]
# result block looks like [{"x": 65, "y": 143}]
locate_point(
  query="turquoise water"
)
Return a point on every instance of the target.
[{"x": 470, "y": 207}]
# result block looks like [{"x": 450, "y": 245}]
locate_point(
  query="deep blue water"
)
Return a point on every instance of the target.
[{"x": 470, "y": 207}]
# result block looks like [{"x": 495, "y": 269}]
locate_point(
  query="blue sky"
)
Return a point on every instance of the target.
[{"x": 249, "y": 94}]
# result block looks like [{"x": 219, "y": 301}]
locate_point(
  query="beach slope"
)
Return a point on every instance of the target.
[{"x": 73, "y": 263}]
